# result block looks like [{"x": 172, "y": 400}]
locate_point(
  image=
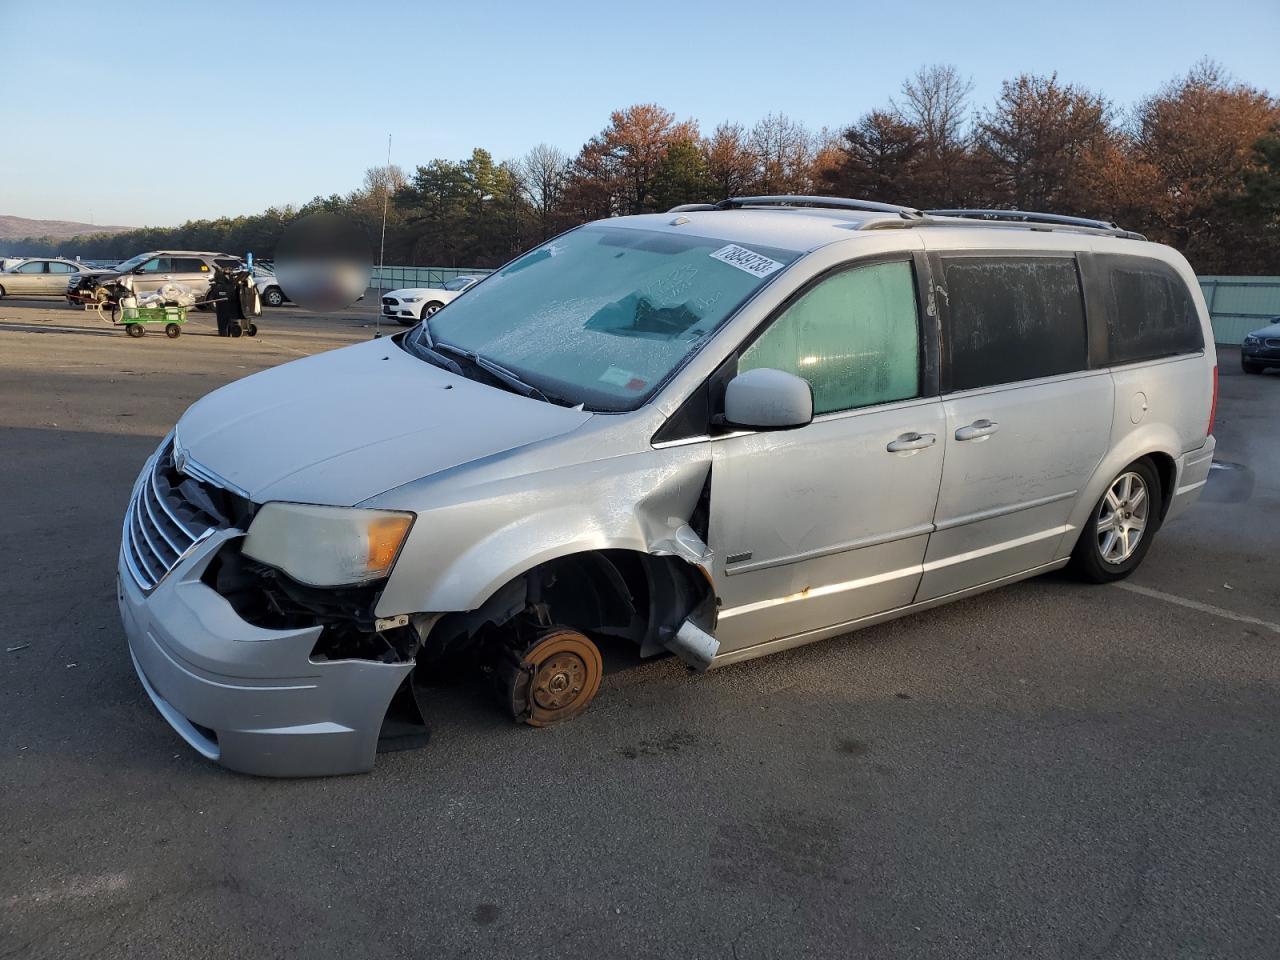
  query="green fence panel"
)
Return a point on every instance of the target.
[
  {"x": 391, "y": 277},
  {"x": 1238, "y": 305}
]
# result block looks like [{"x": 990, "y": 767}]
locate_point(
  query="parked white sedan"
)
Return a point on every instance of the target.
[{"x": 412, "y": 304}]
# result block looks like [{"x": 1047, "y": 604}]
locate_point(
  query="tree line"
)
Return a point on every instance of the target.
[{"x": 1196, "y": 164}]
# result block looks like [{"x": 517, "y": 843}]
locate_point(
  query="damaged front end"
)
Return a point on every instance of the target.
[{"x": 349, "y": 630}]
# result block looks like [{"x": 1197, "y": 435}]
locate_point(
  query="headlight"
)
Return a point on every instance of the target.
[
  {"x": 327, "y": 546},
  {"x": 410, "y": 299}
]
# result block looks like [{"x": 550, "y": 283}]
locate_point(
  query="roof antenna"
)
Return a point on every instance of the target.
[{"x": 382, "y": 244}]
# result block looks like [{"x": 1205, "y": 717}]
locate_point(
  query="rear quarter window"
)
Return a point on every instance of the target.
[
  {"x": 1013, "y": 318},
  {"x": 1150, "y": 312}
]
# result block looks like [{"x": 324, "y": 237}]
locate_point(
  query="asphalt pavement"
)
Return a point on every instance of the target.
[{"x": 1050, "y": 770}]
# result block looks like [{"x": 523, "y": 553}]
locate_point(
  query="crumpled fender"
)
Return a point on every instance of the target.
[{"x": 477, "y": 535}]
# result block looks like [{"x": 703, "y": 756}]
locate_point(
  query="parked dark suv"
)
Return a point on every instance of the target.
[{"x": 1261, "y": 349}]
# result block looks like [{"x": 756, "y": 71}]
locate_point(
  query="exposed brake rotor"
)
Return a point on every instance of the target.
[{"x": 555, "y": 678}]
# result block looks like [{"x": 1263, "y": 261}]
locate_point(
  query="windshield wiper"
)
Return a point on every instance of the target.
[
  {"x": 498, "y": 371},
  {"x": 423, "y": 349}
]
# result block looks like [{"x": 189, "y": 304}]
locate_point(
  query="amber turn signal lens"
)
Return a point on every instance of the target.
[{"x": 385, "y": 536}]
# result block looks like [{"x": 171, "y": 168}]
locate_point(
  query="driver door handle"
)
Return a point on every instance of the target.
[
  {"x": 912, "y": 441},
  {"x": 978, "y": 430}
]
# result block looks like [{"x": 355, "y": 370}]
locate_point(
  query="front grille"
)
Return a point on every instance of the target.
[
  {"x": 1273, "y": 342},
  {"x": 167, "y": 516},
  {"x": 390, "y": 301}
]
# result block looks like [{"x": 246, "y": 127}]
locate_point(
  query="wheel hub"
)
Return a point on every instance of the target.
[
  {"x": 558, "y": 681},
  {"x": 555, "y": 678}
]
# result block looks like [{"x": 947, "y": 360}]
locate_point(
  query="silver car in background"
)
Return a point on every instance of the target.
[
  {"x": 39, "y": 277},
  {"x": 719, "y": 432},
  {"x": 150, "y": 271}
]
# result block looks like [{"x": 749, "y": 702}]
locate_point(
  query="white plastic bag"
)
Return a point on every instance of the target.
[{"x": 176, "y": 294}]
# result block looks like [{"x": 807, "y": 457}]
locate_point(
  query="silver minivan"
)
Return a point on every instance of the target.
[{"x": 718, "y": 432}]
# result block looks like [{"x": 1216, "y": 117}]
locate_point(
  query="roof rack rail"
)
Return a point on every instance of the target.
[
  {"x": 1033, "y": 218},
  {"x": 830, "y": 203}
]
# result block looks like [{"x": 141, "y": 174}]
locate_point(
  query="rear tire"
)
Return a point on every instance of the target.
[
  {"x": 172, "y": 331},
  {"x": 274, "y": 297},
  {"x": 1121, "y": 526},
  {"x": 134, "y": 330}
]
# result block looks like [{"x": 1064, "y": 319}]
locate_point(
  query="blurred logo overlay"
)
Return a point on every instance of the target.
[{"x": 323, "y": 262}]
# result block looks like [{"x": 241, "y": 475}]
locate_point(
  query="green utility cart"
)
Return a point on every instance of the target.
[{"x": 135, "y": 319}]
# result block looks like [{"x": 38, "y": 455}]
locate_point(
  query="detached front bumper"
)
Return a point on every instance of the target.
[{"x": 252, "y": 699}]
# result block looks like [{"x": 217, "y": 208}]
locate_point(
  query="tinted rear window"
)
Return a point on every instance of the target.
[
  {"x": 1013, "y": 318},
  {"x": 1150, "y": 312}
]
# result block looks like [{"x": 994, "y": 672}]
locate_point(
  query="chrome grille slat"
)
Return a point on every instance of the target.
[
  {"x": 155, "y": 557},
  {"x": 130, "y": 555},
  {"x": 151, "y": 514},
  {"x": 135, "y": 529},
  {"x": 158, "y": 524},
  {"x": 164, "y": 505}
]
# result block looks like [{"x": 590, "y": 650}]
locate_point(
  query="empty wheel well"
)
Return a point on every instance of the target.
[{"x": 619, "y": 593}]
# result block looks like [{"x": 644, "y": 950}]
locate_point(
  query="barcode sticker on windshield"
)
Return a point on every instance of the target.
[{"x": 755, "y": 264}]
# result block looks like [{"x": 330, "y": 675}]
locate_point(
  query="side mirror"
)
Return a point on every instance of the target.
[{"x": 768, "y": 399}]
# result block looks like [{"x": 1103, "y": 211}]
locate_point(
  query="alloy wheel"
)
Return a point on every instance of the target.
[{"x": 1122, "y": 519}]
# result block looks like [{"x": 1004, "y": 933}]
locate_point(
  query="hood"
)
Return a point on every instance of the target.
[
  {"x": 346, "y": 425},
  {"x": 1270, "y": 331}
]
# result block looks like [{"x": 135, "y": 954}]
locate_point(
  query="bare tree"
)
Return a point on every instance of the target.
[
  {"x": 392, "y": 178},
  {"x": 784, "y": 155},
  {"x": 935, "y": 101},
  {"x": 543, "y": 172},
  {"x": 376, "y": 193}
]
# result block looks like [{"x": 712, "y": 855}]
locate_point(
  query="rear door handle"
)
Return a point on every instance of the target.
[
  {"x": 978, "y": 430},
  {"x": 910, "y": 442}
]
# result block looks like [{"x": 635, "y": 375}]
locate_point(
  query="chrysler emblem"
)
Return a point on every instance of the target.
[{"x": 180, "y": 461}]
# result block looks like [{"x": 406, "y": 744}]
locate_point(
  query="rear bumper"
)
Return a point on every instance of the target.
[
  {"x": 1191, "y": 476},
  {"x": 249, "y": 698}
]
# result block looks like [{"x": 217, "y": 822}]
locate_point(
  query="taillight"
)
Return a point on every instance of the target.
[{"x": 1213, "y": 408}]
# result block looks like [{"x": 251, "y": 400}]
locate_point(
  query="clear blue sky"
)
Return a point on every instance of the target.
[{"x": 292, "y": 100}]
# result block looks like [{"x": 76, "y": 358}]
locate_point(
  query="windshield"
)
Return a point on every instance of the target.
[
  {"x": 603, "y": 315},
  {"x": 459, "y": 283},
  {"x": 137, "y": 261}
]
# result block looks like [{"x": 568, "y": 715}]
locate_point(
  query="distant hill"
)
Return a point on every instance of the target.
[{"x": 14, "y": 228}]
